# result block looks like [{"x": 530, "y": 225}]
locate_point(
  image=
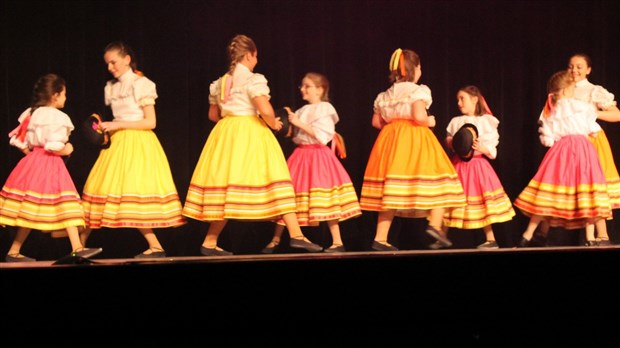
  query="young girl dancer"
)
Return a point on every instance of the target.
[
  {"x": 39, "y": 193},
  {"x": 242, "y": 173},
  {"x": 487, "y": 202},
  {"x": 130, "y": 184},
  {"x": 408, "y": 173},
  {"x": 580, "y": 66},
  {"x": 323, "y": 188},
  {"x": 569, "y": 189}
]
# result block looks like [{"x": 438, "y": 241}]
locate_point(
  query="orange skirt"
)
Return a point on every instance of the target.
[
  {"x": 605, "y": 156},
  {"x": 408, "y": 171}
]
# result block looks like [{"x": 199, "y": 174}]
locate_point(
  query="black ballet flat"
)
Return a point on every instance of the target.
[
  {"x": 336, "y": 248},
  {"x": 86, "y": 252},
  {"x": 270, "y": 248},
  {"x": 155, "y": 254},
  {"x": 437, "y": 245},
  {"x": 603, "y": 242},
  {"x": 523, "y": 243},
  {"x": 433, "y": 232},
  {"x": 214, "y": 252},
  {"x": 303, "y": 244},
  {"x": 379, "y": 246}
]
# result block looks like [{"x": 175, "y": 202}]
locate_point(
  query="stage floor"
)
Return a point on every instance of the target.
[{"x": 303, "y": 256}]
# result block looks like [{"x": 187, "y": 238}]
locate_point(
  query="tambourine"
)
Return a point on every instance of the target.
[
  {"x": 463, "y": 141},
  {"x": 92, "y": 130}
]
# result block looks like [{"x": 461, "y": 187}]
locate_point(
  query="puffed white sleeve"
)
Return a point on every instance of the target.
[
  {"x": 324, "y": 124},
  {"x": 214, "y": 91},
  {"x": 257, "y": 86},
  {"x": 490, "y": 137},
  {"x": 454, "y": 126},
  {"x": 13, "y": 134},
  {"x": 145, "y": 91},
  {"x": 422, "y": 93},
  {"x": 545, "y": 132},
  {"x": 57, "y": 133},
  {"x": 602, "y": 98},
  {"x": 375, "y": 105}
]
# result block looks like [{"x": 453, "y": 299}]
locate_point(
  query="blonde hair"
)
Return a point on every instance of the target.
[
  {"x": 320, "y": 81},
  {"x": 238, "y": 47},
  {"x": 557, "y": 82}
]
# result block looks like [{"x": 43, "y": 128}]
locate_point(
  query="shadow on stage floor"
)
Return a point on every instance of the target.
[{"x": 494, "y": 297}]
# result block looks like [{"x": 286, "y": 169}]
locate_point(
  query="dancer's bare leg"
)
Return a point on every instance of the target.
[
  {"x": 18, "y": 242},
  {"x": 531, "y": 227},
  {"x": 488, "y": 232},
  {"x": 435, "y": 220},
  {"x": 84, "y": 234},
  {"x": 151, "y": 239},
  {"x": 384, "y": 222},
  {"x": 297, "y": 237},
  {"x": 215, "y": 229},
  {"x": 601, "y": 230},
  {"x": 74, "y": 238},
  {"x": 334, "y": 230},
  {"x": 590, "y": 232}
]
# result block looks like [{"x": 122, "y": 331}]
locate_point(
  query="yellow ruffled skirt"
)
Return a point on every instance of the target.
[
  {"x": 241, "y": 174},
  {"x": 131, "y": 185}
]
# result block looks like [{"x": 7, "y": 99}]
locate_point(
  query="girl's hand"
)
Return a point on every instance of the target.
[
  {"x": 378, "y": 121},
  {"x": 68, "y": 149},
  {"x": 478, "y": 146},
  {"x": 293, "y": 119},
  {"x": 431, "y": 121},
  {"x": 278, "y": 125},
  {"x": 14, "y": 132},
  {"x": 109, "y": 126},
  {"x": 65, "y": 151}
]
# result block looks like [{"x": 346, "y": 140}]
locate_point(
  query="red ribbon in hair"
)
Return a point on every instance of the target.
[
  {"x": 549, "y": 108},
  {"x": 485, "y": 106},
  {"x": 403, "y": 69}
]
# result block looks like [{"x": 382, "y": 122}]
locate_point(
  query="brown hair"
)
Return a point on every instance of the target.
[
  {"x": 237, "y": 48},
  {"x": 582, "y": 55},
  {"x": 320, "y": 81},
  {"x": 123, "y": 50},
  {"x": 481, "y": 106},
  {"x": 412, "y": 60},
  {"x": 44, "y": 89}
]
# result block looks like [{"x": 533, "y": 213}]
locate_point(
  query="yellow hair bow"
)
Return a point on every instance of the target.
[{"x": 398, "y": 62}]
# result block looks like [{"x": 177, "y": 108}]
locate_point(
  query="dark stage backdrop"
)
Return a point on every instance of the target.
[{"x": 507, "y": 48}]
